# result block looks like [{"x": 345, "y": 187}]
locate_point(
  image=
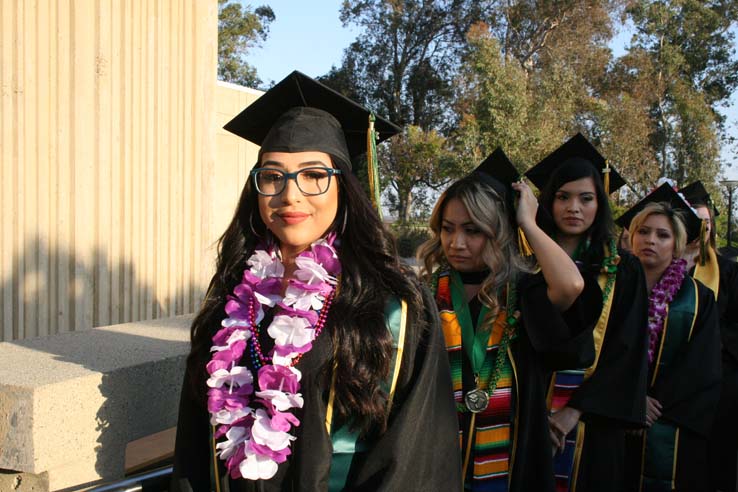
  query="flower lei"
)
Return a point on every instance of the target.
[
  {"x": 659, "y": 299},
  {"x": 256, "y": 424}
]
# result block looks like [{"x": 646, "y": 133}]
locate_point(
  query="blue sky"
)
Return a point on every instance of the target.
[{"x": 308, "y": 36}]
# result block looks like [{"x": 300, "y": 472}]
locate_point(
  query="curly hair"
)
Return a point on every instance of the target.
[{"x": 489, "y": 213}]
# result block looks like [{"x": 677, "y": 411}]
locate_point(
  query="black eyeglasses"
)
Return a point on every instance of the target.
[{"x": 310, "y": 180}]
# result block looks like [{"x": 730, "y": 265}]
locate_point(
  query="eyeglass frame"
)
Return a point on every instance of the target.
[{"x": 293, "y": 176}]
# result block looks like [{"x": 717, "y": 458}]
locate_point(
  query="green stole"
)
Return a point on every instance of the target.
[
  {"x": 346, "y": 443},
  {"x": 661, "y": 440}
]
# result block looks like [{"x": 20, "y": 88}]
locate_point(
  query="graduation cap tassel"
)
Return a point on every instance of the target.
[
  {"x": 523, "y": 244},
  {"x": 703, "y": 242},
  {"x": 372, "y": 165},
  {"x": 606, "y": 178}
]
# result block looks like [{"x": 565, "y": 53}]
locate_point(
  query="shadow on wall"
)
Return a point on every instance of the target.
[
  {"x": 58, "y": 290},
  {"x": 52, "y": 290}
]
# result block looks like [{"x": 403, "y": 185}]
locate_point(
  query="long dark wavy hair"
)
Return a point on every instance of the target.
[
  {"x": 602, "y": 230},
  {"x": 371, "y": 273}
]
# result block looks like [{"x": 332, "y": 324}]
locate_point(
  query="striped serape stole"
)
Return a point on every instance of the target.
[
  {"x": 562, "y": 387},
  {"x": 492, "y": 430}
]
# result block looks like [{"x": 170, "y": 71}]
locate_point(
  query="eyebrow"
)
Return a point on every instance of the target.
[
  {"x": 446, "y": 221},
  {"x": 301, "y": 165},
  {"x": 575, "y": 193}
]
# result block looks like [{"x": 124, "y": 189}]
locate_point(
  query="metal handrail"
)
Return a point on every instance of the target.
[{"x": 133, "y": 483}]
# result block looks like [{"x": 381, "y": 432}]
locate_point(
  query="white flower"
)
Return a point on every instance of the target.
[
  {"x": 235, "y": 336},
  {"x": 234, "y": 437},
  {"x": 281, "y": 400},
  {"x": 270, "y": 301},
  {"x": 238, "y": 375},
  {"x": 302, "y": 299},
  {"x": 257, "y": 467},
  {"x": 227, "y": 417},
  {"x": 283, "y": 360},
  {"x": 287, "y": 330},
  {"x": 263, "y": 433},
  {"x": 310, "y": 272},
  {"x": 264, "y": 265},
  {"x": 228, "y": 322}
]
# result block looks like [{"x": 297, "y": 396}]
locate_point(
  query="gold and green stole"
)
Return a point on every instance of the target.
[
  {"x": 661, "y": 440},
  {"x": 491, "y": 432},
  {"x": 709, "y": 273},
  {"x": 564, "y": 383}
]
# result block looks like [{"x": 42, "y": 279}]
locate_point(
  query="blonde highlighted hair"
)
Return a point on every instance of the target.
[
  {"x": 489, "y": 214},
  {"x": 675, "y": 218}
]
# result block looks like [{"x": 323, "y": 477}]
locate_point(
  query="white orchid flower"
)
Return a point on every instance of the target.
[
  {"x": 310, "y": 271},
  {"x": 235, "y": 336},
  {"x": 227, "y": 417},
  {"x": 287, "y": 330},
  {"x": 237, "y": 375},
  {"x": 264, "y": 265},
  {"x": 234, "y": 438},
  {"x": 257, "y": 467},
  {"x": 281, "y": 400},
  {"x": 263, "y": 433}
]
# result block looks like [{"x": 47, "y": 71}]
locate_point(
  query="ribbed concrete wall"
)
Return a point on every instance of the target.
[{"x": 109, "y": 176}]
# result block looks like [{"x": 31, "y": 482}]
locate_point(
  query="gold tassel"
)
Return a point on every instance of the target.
[
  {"x": 606, "y": 178},
  {"x": 703, "y": 242},
  {"x": 372, "y": 166},
  {"x": 523, "y": 244}
]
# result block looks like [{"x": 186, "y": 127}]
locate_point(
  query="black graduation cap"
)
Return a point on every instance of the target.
[
  {"x": 576, "y": 149},
  {"x": 696, "y": 194},
  {"x": 498, "y": 172},
  {"x": 301, "y": 114},
  {"x": 665, "y": 193}
]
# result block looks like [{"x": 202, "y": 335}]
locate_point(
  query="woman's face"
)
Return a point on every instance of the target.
[
  {"x": 461, "y": 240},
  {"x": 298, "y": 220},
  {"x": 575, "y": 207},
  {"x": 653, "y": 242}
]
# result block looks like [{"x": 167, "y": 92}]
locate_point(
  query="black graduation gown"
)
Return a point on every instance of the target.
[
  {"x": 418, "y": 452},
  {"x": 723, "y": 446},
  {"x": 548, "y": 341},
  {"x": 613, "y": 398},
  {"x": 688, "y": 390}
]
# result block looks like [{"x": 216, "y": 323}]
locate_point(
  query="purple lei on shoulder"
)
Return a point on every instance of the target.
[
  {"x": 658, "y": 301},
  {"x": 253, "y": 428}
]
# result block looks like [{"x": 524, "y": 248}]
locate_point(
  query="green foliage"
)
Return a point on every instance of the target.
[
  {"x": 239, "y": 29},
  {"x": 411, "y": 165},
  {"x": 409, "y": 237}
]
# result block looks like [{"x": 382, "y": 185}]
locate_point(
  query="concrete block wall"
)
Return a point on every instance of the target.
[{"x": 70, "y": 403}]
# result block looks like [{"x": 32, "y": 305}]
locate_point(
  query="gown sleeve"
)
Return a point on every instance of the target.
[
  {"x": 728, "y": 307},
  {"x": 192, "y": 445},
  {"x": 690, "y": 390},
  {"x": 419, "y": 451},
  {"x": 623, "y": 359},
  {"x": 564, "y": 339}
]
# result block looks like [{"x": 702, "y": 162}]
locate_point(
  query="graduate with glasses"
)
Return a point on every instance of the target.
[
  {"x": 683, "y": 351},
  {"x": 317, "y": 362},
  {"x": 506, "y": 322},
  {"x": 592, "y": 406}
]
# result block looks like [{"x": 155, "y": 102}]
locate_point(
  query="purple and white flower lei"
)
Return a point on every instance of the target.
[
  {"x": 661, "y": 296},
  {"x": 256, "y": 425}
]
